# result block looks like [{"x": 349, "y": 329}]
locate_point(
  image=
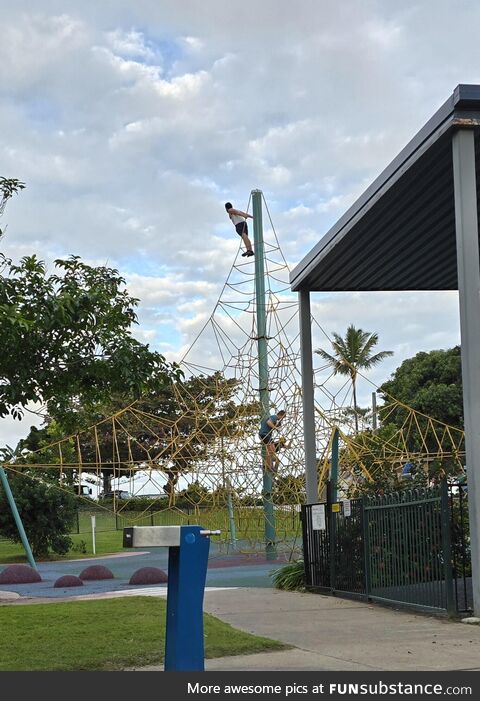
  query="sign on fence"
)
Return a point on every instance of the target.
[{"x": 318, "y": 517}]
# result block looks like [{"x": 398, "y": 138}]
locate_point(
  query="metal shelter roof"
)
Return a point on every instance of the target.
[{"x": 400, "y": 234}]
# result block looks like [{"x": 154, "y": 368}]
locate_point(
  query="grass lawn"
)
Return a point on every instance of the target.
[
  {"x": 105, "y": 543},
  {"x": 250, "y": 527},
  {"x": 104, "y": 635}
]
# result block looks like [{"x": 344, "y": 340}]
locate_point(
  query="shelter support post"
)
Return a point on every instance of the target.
[
  {"x": 468, "y": 263},
  {"x": 311, "y": 480}
]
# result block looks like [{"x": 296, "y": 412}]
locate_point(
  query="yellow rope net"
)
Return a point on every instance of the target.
[{"x": 198, "y": 444}]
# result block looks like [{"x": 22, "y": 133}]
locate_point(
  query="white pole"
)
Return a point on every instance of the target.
[{"x": 93, "y": 533}]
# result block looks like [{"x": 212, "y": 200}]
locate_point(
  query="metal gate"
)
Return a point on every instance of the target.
[
  {"x": 333, "y": 547},
  {"x": 395, "y": 548},
  {"x": 409, "y": 550}
]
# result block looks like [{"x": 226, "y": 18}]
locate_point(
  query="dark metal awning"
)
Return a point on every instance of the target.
[{"x": 400, "y": 234}]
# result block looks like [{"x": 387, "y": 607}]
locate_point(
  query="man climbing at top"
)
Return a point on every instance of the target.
[{"x": 238, "y": 218}]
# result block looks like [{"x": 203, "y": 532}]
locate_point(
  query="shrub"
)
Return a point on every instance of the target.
[
  {"x": 291, "y": 577},
  {"x": 47, "y": 514}
]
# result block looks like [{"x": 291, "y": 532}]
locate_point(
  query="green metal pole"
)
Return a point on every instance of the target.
[
  {"x": 332, "y": 535},
  {"x": 270, "y": 534},
  {"x": 16, "y": 516},
  {"x": 366, "y": 545},
  {"x": 334, "y": 465},
  {"x": 333, "y": 482}
]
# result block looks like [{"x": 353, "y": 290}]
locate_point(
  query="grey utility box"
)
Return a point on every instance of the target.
[{"x": 151, "y": 536}]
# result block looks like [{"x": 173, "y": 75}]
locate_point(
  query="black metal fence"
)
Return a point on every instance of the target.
[
  {"x": 461, "y": 553},
  {"x": 409, "y": 548}
]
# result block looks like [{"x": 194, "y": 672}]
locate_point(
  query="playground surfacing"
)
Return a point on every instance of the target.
[{"x": 224, "y": 571}]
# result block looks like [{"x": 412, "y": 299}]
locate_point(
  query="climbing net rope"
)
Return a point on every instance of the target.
[{"x": 198, "y": 443}]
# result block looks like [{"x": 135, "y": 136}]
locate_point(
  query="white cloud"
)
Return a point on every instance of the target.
[
  {"x": 130, "y": 43},
  {"x": 132, "y": 124}
]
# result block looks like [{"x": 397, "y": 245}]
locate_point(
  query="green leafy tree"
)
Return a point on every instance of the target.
[
  {"x": 194, "y": 495},
  {"x": 174, "y": 429},
  {"x": 38, "y": 448},
  {"x": 289, "y": 490},
  {"x": 430, "y": 383},
  {"x": 179, "y": 428},
  {"x": 351, "y": 355},
  {"x": 74, "y": 332},
  {"x": 47, "y": 512},
  {"x": 8, "y": 187},
  {"x": 67, "y": 341}
]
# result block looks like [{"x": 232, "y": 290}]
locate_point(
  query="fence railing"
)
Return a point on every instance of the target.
[
  {"x": 410, "y": 547},
  {"x": 461, "y": 553},
  {"x": 249, "y": 522}
]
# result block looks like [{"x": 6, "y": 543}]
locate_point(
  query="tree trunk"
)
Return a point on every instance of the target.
[{"x": 355, "y": 412}]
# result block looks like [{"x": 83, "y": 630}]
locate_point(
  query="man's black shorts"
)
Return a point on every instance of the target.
[
  {"x": 241, "y": 228},
  {"x": 266, "y": 439}
]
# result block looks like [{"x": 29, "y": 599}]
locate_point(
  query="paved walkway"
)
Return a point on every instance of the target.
[
  {"x": 331, "y": 634},
  {"x": 326, "y": 633}
]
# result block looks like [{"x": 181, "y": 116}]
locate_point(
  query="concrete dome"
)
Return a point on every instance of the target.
[
  {"x": 68, "y": 580},
  {"x": 95, "y": 572},
  {"x": 19, "y": 574},
  {"x": 148, "y": 575}
]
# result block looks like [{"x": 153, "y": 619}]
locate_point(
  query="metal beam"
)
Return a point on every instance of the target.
[
  {"x": 468, "y": 263},
  {"x": 311, "y": 478}
]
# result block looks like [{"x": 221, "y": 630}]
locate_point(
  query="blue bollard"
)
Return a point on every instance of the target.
[
  {"x": 188, "y": 548},
  {"x": 187, "y": 572}
]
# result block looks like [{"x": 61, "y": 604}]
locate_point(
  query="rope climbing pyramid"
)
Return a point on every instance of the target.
[{"x": 198, "y": 442}]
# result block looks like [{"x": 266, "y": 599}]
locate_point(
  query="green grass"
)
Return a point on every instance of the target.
[
  {"x": 104, "y": 635},
  {"x": 249, "y": 522},
  {"x": 105, "y": 543},
  {"x": 250, "y": 527}
]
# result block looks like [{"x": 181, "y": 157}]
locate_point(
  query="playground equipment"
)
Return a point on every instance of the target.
[
  {"x": 201, "y": 438},
  {"x": 188, "y": 548}
]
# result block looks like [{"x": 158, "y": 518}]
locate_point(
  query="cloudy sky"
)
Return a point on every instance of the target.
[{"x": 131, "y": 124}]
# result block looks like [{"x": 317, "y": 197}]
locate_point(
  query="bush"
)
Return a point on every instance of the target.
[
  {"x": 47, "y": 514},
  {"x": 80, "y": 547},
  {"x": 291, "y": 577}
]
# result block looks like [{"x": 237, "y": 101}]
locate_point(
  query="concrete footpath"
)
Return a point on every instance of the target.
[
  {"x": 332, "y": 634},
  {"x": 326, "y": 633}
]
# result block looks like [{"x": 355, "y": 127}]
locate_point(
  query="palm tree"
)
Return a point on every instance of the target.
[{"x": 352, "y": 354}]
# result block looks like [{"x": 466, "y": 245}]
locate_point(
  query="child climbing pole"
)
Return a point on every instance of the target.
[{"x": 267, "y": 427}]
